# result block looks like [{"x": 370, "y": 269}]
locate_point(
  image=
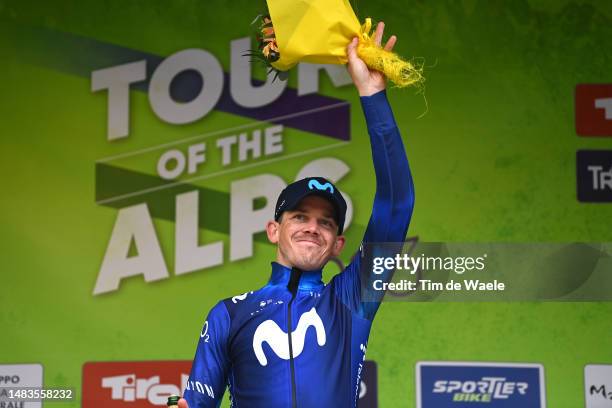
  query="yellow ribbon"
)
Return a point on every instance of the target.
[
  {"x": 365, "y": 29},
  {"x": 401, "y": 73}
]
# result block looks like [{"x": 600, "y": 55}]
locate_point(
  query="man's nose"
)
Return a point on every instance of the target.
[{"x": 312, "y": 226}]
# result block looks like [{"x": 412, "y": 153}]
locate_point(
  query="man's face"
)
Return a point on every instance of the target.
[{"x": 307, "y": 236}]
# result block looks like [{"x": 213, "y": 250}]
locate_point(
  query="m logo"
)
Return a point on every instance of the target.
[
  {"x": 270, "y": 333},
  {"x": 312, "y": 184}
]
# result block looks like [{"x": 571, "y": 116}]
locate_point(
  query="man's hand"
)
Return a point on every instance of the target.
[
  {"x": 183, "y": 403},
  {"x": 367, "y": 81}
]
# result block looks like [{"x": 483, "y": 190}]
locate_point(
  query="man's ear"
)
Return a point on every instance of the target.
[
  {"x": 273, "y": 231},
  {"x": 338, "y": 245}
]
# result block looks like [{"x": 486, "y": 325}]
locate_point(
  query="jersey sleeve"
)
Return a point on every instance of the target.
[
  {"x": 392, "y": 207},
  {"x": 209, "y": 371}
]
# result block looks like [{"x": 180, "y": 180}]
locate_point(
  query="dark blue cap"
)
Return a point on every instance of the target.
[{"x": 291, "y": 196}]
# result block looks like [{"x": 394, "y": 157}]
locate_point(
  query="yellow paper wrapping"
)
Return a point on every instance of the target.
[{"x": 318, "y": 31}]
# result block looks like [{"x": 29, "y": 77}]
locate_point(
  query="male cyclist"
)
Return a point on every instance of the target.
[{"x": 297, "y": 342}]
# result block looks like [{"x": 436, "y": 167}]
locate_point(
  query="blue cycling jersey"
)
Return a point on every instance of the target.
[{"x": 297, "y": 342}]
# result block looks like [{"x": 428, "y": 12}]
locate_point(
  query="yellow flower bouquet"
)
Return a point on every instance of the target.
[{"x": 318, "y": 31}]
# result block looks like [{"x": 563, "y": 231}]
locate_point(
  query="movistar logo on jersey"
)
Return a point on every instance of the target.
[
  {"x": 451, "y": 384},
  {"x": 269, "y": 332},
  {"x": 314, "y": 184}
]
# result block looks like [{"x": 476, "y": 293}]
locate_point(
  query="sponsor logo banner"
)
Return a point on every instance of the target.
[
  {"x": 14, "y": 376},
  {"x": 594, "y": 109},
  {"x": 598, "y": 386},
  {"x": 494, "y": 385},
  {"x": 594, "y": 175},
  {"x": 140, "y": 384},
  {"x": 368, "y": 386}
]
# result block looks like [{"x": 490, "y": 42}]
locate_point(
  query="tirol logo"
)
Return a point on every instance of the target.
[
  {"x": 594, "y": 109},
  {"x": 598, "y": 386},
  {"x": 494, "y": 385},
  {"x": 134, "y": 384},
  {"x": 594, "y": 175},
  {"x": 272, "y": 334}
]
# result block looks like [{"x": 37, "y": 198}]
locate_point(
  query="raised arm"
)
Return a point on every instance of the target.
[
  {"x": 209, "y": 370},
  {"x": 394, "y": 198}
]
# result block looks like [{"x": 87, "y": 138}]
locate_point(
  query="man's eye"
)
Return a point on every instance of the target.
[{"x": 299, "y": 217}]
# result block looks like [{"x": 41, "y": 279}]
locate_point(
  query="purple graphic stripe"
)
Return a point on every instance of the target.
[{"x": 80, "y": 56}]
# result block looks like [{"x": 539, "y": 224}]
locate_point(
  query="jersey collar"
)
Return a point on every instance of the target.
[{"x": 309, "y": 279}]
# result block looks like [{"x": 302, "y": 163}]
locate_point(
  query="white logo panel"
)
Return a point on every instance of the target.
[
  {"x": 21, "y": 376},
  {"x": 598, "y": 386}
]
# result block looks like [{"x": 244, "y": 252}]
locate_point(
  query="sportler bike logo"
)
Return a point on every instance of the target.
[{"x": 269, "y": 332}]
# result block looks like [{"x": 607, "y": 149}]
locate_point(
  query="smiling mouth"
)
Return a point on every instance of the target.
[{"x": 308, "y": 241}]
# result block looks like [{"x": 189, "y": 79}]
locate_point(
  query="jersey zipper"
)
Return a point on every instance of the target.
[{"x": 293, "y": 284}]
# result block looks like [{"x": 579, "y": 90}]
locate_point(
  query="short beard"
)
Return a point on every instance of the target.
[{"x": 304, "y": 262}]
